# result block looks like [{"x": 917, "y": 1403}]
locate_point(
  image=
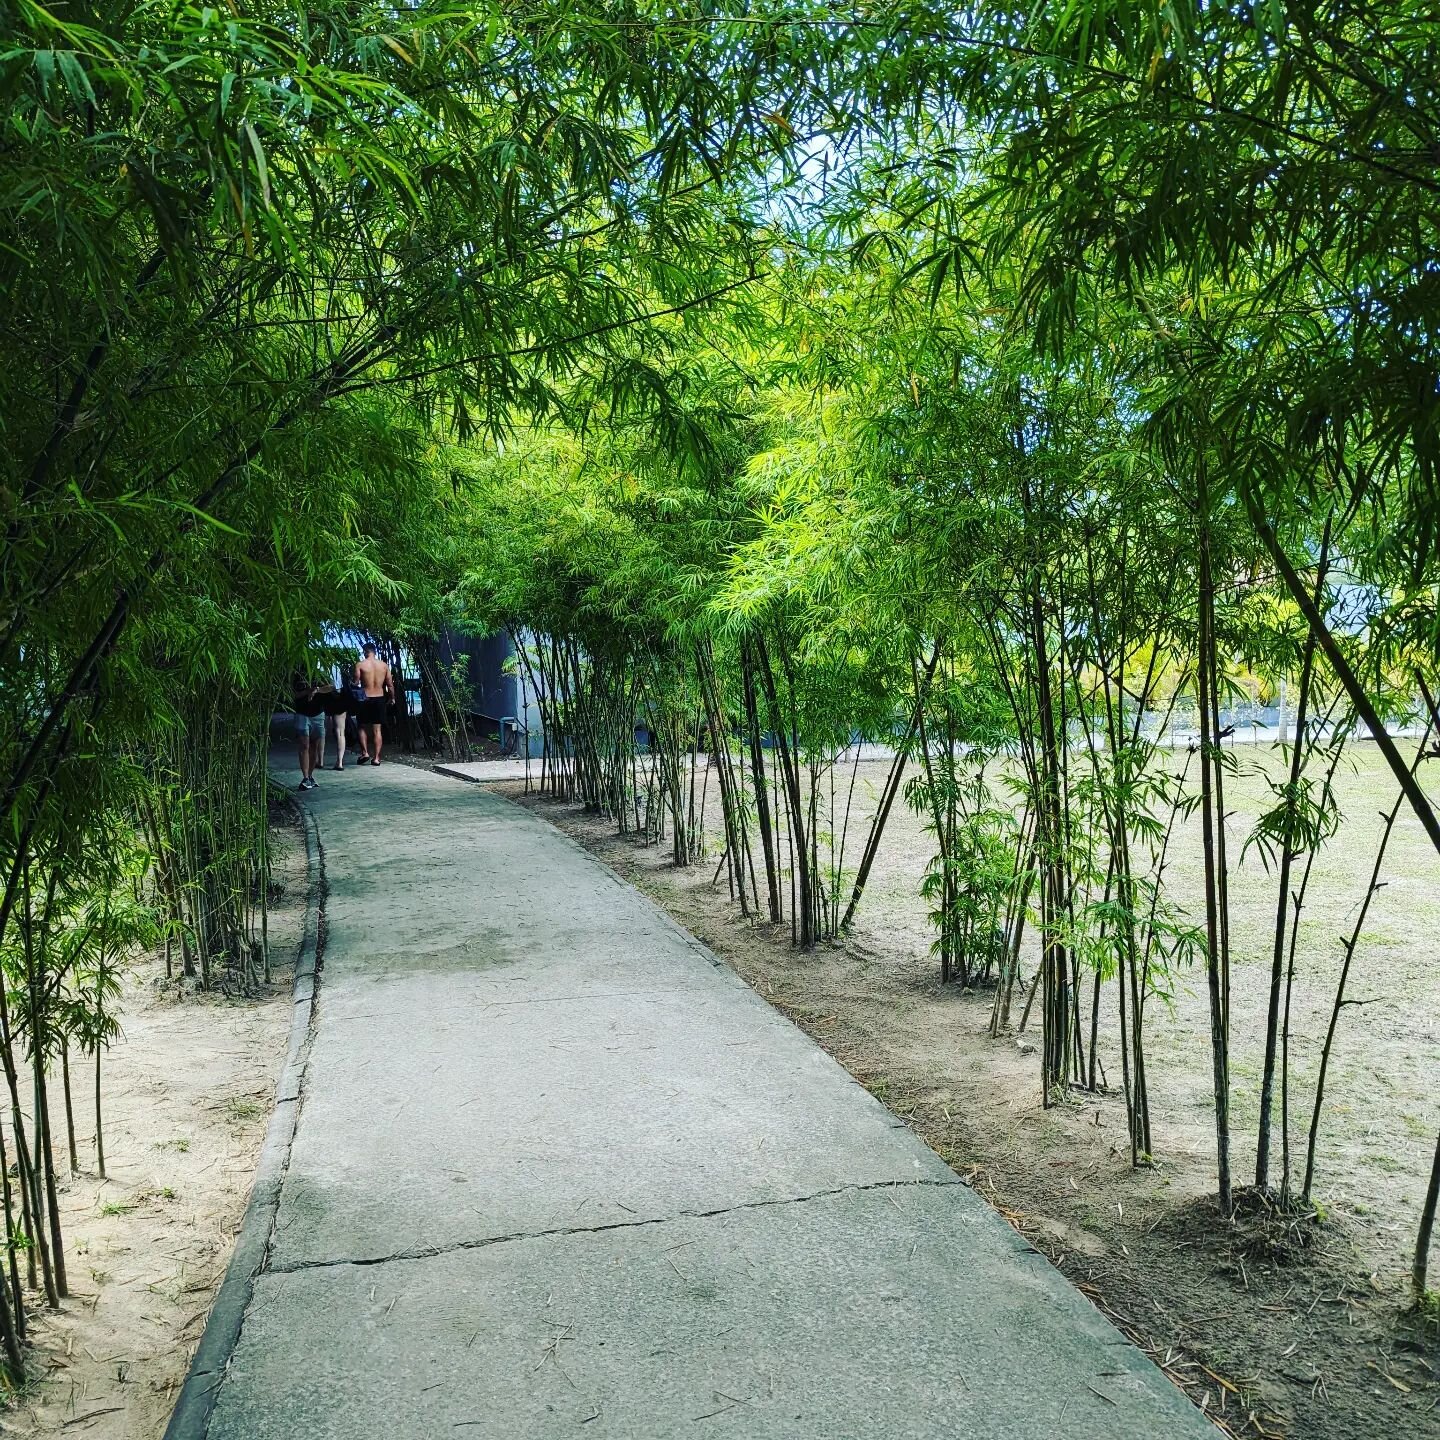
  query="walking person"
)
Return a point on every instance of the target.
[
  {"x": 337, "y": 703},
  {"x": 373, "y": 677},
  {"x": 309, "y": 726},
  {"x": 355, "y": 693}
]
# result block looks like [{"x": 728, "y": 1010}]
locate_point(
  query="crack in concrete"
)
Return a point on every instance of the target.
[
  {"x": 678, "y": 990},
  {"x": 429, "y": 1252}
]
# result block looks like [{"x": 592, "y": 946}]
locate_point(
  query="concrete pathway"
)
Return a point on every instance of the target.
[{"x": 557, "y": 1171}]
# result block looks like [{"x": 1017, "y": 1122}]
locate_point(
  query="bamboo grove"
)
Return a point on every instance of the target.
[
  {"x": 1006, "y": 587},
  {"x": 1032, "y": 451},
  {"x": 266, "y": 271},
  {"x": 998, "y": 388}
]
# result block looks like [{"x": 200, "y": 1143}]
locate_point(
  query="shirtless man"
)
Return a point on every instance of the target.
[{"x": 372, "y": 674}]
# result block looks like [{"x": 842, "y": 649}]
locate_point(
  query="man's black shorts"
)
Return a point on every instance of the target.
[{"x": 371, "y": 710}]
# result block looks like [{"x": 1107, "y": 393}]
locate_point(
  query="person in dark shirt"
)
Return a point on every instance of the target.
[
  {"x": 336, "y": 700},
  {"x": 309, "y": 726}
]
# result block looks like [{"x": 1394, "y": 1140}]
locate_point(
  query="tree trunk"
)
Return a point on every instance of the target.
[
  {"x": 17, "y": 1294},
  {"x": 762, "y": 793},
  {"x": 1282, "y": 911},
  {"x": 1419, "y": 1270},
  {"x": 1214, "y": 959},
  {"x": 69, "y": 1106},
  {"x": 803, "y": 902}
]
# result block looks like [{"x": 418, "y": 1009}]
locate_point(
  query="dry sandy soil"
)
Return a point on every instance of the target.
[
  {"x": 188, "y": 1093},
  {"x": 1313, "y": 1341}
]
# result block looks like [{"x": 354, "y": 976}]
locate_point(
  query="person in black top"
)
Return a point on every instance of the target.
[
  {"x": 309, "y": 726},
  {"x": 337, "y": 707}
]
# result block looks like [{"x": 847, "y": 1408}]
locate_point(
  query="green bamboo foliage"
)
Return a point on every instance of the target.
[
  {"x": 1005, "y": 389},
  {"x": 1022, "y": 580}
]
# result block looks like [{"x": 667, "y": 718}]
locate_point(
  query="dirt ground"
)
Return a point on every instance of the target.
[
  {"x": 187, "y": 1093},
  {"x": 1305, "y": 1340}
]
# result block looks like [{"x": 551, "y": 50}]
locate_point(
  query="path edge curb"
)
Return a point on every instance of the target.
[{"x": 190, "y": 1420}]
